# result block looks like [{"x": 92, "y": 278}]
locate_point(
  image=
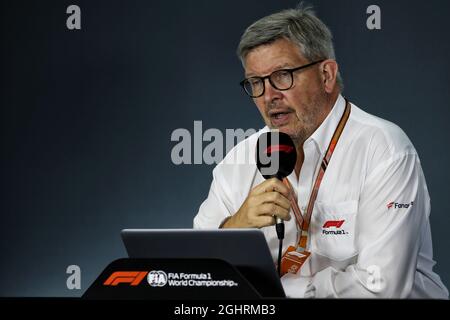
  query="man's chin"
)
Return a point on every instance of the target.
[
  {"x": 292, "y": 132},
  {"x": 285, "y": 129}
]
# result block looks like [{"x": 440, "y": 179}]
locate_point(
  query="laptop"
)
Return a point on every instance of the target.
[{"x": 246, "y": 249}]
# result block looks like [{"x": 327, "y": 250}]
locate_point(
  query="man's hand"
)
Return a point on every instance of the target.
[{"x": 265, "y": 202}]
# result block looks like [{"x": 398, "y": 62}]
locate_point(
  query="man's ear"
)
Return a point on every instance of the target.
[{"x": 328, "y": 71}]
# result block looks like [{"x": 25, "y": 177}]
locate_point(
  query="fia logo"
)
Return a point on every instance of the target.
[{"x": 157, "y": 278}]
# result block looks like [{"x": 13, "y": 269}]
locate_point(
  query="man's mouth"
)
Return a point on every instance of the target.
[{"x": 280, "y": 118}]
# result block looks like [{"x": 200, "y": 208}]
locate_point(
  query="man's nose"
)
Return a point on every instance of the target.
[{"x": 270, "y": 93}]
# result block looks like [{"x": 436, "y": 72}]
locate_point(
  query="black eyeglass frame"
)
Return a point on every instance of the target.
[{"x": 263, "y": 79}]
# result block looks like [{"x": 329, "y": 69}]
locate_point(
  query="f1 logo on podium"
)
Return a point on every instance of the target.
[{"x": 134, "y": 278}]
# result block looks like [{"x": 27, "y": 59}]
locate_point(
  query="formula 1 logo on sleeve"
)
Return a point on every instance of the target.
[{"x": 397, "y": 205}]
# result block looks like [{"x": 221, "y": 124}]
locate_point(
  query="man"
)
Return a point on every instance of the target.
[{"x": 369, "y": 233}]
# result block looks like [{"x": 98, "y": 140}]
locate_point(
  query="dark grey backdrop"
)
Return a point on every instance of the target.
[{"x": 87, "y": 116}]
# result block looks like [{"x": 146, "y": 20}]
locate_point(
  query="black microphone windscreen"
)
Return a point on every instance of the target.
[{"x": 275, "y": 155}]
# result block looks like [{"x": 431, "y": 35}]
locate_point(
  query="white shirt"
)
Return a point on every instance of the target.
[{"x": 374, "y": 183}]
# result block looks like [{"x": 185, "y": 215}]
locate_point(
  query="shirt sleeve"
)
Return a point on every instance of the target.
[
  {"x": 393, "y": 208},
  {"x": 217, "y": 206}
]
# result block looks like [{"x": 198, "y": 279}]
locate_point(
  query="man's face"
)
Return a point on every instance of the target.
[{"x": 299, "y": 110}]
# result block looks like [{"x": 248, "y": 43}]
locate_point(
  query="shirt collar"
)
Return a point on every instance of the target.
[{"x": 323, "y": 134}]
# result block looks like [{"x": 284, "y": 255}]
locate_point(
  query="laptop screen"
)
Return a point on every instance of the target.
[{"x": 246, "y": 249}]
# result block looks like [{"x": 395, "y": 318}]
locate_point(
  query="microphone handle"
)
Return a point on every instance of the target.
[
  {"x": 279, "y": 222},
  {"x": 279, "y": 227}
]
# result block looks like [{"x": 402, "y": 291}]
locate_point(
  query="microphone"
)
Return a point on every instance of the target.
[{"x": 275, "y": 158}]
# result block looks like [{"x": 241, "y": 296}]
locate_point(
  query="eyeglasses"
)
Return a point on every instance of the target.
[{"x": 280, "y": 79}]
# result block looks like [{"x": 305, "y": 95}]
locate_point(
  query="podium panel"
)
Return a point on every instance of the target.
[{"x": 175, "y": 279}]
